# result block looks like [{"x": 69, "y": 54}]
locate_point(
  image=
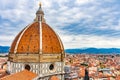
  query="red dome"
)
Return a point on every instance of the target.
[{"x": 35, "y": 38}]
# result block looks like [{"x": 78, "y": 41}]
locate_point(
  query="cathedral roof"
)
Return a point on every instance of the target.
[{"x": 37, "y": 37}]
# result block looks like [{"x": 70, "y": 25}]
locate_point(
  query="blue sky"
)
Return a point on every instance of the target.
[{"x": 79, "y": 23}]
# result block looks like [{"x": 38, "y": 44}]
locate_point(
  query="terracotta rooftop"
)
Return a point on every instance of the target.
[
  {"x": 54, "y": 78},
  {"x": 118, "y": 78},
  {"x": 3, "y": 73},
  {"x": 23, "y": 75}
]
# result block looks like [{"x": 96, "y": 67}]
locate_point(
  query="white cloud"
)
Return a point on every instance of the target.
[
  {"x": 83, "y": 1},
  {"x": 59, "y": 14},
  {"x": 6, "y": 40},
  {"x": 83, "y": 41}
]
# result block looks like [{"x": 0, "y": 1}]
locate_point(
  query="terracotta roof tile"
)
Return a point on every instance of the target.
[
  {"x": 23, "y": 75},
  {"x": 118, "y": 78},
  {"x": 54, "y": 78}
]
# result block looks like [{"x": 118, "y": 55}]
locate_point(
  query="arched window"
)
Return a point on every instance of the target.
[{"x": 27, "y": 67}]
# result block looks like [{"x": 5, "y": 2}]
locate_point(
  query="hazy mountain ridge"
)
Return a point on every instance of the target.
[
  {"x": 5, "y": 49},
  {"x": 95, "y": 50}
]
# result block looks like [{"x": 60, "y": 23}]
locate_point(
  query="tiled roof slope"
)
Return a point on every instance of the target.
[{"x": 23, "y": 75}]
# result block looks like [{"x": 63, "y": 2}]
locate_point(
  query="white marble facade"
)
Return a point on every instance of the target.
[{"x": 41, "y": 69}]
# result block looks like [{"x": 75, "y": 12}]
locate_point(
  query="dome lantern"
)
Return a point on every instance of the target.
[{"x": 40, "y": 14}]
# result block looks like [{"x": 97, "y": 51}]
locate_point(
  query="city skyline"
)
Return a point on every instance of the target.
[{"x": 79, "y": 23}]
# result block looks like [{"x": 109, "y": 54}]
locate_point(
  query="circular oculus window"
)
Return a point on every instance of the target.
[
  {"x": 27, "y": 67},
  {"x": 51, "y": 67}
]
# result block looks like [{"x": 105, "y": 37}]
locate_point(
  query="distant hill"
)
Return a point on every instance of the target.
[
  {"x": 5, "y": 49},
  {"x": 95, "y": 50}
]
